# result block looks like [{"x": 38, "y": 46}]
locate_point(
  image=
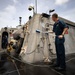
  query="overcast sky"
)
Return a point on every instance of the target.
[{"x": 10, "y": 10}]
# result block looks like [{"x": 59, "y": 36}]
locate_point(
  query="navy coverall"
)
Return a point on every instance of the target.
[{"x": 59, "y": 43}]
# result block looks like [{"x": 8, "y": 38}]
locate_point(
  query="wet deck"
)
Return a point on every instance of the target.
[{"x": 18, "y": 68}]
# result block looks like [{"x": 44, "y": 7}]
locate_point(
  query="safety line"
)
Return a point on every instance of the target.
[
  {"x": 42, "y": 66},
  {"x": 11, "y": 72},
  {"x": 70, "y": 60},
  {"x": 16, "y": 67},
  {"x": 57, "y": 71}
]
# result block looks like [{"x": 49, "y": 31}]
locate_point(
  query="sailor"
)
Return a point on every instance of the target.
[
  {"x": 5, "y": 42},
  {"x": 21, "y": 41},
  {"x": 60, "y": 29}
]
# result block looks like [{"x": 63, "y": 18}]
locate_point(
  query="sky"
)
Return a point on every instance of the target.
[{"x": 11, "y": 10}]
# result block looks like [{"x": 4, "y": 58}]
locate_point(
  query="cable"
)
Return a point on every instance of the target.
[
  {"x": 70, "y": 60},
  {"x": 30, "y": 52},
  {"x": 42, "y": 66},
  {"x": 34, "y": 64},
  {"x": 57, "y": 72},
  {"x": 27, "y": 62},
  {"x": 16, "y": 67},
  {"x": 11, "y": 71}
]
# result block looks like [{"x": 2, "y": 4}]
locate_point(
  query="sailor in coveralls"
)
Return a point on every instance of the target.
[{"x": 59, "y": 28}]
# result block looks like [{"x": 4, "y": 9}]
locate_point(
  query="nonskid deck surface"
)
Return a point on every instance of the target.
[{"x": 17, "y": 68}]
